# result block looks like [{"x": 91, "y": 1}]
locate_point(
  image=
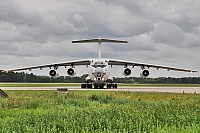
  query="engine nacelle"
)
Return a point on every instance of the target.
[
  {"x": 127, "y": 72},
  {"x": 52, "y": 73},
  {"x": 71, "y": 72},
  {"x": 144, "y": 73}
]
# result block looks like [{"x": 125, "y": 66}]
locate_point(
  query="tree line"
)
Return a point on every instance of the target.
[
  {"x": 159, "y": 80},
  {"x": 31, "y": 78}
]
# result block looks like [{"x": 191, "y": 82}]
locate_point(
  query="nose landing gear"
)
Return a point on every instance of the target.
[{"x": 98, "y": 86}]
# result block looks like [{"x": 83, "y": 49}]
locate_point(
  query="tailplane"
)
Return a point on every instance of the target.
[{"x": 99, "y": 40}]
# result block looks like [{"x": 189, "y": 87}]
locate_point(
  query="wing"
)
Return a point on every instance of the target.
[
  {"x": 145, "y": 65},
  {"x": 56, "y": 65}
]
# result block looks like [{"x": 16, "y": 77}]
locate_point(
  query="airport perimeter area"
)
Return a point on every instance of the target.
[{"x": 171, "y": 88}]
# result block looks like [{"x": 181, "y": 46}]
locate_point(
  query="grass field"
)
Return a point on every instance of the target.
[
  {"x": 79, "y": 84},
  {"x": 99, "y": 111}
]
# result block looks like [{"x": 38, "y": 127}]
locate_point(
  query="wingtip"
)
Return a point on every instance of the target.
[{"x": 194, "y": 71}]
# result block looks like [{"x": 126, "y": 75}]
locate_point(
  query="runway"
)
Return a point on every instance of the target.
[{"x": 129, "y": 89}]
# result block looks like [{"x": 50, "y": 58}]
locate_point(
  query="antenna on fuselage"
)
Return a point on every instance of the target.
[{"x": 99, "y": 40}]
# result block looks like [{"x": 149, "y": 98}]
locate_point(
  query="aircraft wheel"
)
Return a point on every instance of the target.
[
  {"x": 83, "y": 86},
  {"x": 112, "y": 86},
  {"x": 89, "y": 86},
  {"x": 101, "y": 86},
  {"x": 108, "y": 86},
  {"x": 95, "y": 86},
  {"x": 115, "y": 86}
]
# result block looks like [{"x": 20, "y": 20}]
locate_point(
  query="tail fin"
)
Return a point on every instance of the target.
[{"x": 99, "y": 40}]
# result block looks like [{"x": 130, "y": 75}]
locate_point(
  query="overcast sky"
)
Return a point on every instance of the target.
[{"x": 158, "y": 31}]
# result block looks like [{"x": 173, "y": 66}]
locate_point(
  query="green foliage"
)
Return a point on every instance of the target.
[
  {"x": 87, "y": 111},
  {"x": 160, "y": 80},
  {"x": 31, "y": 78}
]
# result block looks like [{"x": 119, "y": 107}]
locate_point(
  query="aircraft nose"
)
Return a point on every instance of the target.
[{"x": 99, "y": 71}]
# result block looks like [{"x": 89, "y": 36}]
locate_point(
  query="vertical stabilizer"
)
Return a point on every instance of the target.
[{"x": 99, "y": 49}]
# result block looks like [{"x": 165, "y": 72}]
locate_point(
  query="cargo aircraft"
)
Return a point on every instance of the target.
[{"x": 99, "y": 68}]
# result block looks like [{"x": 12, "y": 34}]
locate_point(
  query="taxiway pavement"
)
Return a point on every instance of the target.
[{"x": 129, "y": 89}]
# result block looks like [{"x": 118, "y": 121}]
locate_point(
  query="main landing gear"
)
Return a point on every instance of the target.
[
  {"x": 86, "y": 86},
  {"x": 111, "y": 86},
  {"x": 99, "y": 86}
]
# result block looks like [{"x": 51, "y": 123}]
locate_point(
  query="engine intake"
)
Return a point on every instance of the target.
[
  {"x": 71, "y": 72},
  {"x": 127, "y": 72},
  {"x": 144, "y": 73},
  {"x": 52, "y": 73}
]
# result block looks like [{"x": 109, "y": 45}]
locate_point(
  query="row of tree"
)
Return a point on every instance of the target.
[
  {"x": 31, "y": 78},
  {"x": 160, "y": 80}
]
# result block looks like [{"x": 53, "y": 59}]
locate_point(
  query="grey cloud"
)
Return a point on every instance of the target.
[
  {"x": 37, "y": 26},
  {"x": 142, "y": 42},
  {"x": 182, "y": 13},
  {"x": 168, "y": 33},
  {"x": 192, "y": 40}
]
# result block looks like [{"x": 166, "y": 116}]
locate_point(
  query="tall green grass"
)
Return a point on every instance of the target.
[{"x": 87, "y": 111}]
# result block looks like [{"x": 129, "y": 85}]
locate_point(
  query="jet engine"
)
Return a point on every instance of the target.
[
  {"x": 127, "y": 72},
  {"x": 71, "y": 72},
  {"x": 144, "y": 73},
  {"x": 52, "y": 73}
]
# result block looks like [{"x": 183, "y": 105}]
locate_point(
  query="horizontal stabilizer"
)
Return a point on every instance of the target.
[{"x": 99, "y": 40}]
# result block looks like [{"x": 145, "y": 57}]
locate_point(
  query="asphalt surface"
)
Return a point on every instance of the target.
[{"x": 130, "y": 89}]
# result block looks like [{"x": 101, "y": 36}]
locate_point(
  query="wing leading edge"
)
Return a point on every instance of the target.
[
  {"x": 56, "y": 65},
  {"x": 99, "y": 40},
  {"x": 145, "y": 65}
]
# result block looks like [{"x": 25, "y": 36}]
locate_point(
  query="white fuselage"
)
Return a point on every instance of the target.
[{"x": 99, "y": 71}]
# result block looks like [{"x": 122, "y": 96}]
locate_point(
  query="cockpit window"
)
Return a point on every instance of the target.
[{"x": 99, "y": 64}]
